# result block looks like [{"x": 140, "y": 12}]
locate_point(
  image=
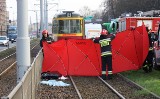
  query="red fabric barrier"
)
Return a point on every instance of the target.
[
  {"x": 72, "y": 57},
  {"x": 55, "y": 57},
  {"x": 82, "y": 57},
  {"x": 130, "y": 49}
]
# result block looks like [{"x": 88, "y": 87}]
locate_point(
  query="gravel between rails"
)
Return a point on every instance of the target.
[
  {"x": 56, "y": 92},
  {"x": 89, "y": 88},
  {"x": 92, "y": 88},
  {"x": 6, "y": 63},
  {"x": 8, "y": 82}
]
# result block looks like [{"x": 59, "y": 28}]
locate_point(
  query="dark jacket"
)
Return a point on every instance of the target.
[{"x": 47, "y": 39}]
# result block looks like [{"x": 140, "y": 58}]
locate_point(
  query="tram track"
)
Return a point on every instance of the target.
[
  {"x": 8, "y": 73},
  {"x": 9, "y": 61},
  {"x": 129, "y": 89},
  {"x": 94, "y": 88}
]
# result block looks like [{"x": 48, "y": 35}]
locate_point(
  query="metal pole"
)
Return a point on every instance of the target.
[
  {"x": 1, "y": 30},
  {"x": 30, "y": 30},
  {"x": 23, "y": 40},
  {"x": 46, "y": 15},
  {"x": 45, "y": 25},
  {"x": 7, "y": 30},
  {"x": 37, "y": 23},
  {"x": 42, "y": 17}
]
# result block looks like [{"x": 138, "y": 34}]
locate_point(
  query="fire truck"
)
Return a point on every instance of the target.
[{"x": 132, "y": 22}]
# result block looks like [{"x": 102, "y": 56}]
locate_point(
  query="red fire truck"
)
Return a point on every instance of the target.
[{"x": 132, "y": 22}]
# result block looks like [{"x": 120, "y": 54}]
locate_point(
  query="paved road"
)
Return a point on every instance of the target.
[{"x": 2, "y": 47}]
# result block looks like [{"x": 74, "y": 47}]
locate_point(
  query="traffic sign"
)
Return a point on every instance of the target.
[{"x": 88, "y": 18}]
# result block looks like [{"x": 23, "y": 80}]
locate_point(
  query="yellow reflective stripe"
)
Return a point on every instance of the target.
[
  {"x": 109, "y": 72},
  {"x": 104, "y": 42},
  {"x": 150, "y": 48},
  {"x": 145, "y": 65},
  {"x": 106, "y": 53},
  {"x": 103, "y": 72}
]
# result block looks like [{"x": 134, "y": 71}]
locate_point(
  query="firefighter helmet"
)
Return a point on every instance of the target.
[
  {"x": 104, "y": 32},
  {"x": 44, "y": 32}
]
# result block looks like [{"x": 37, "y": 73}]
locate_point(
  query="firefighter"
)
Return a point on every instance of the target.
[
  {"x": 106, "y": 55},
  {"x": 45, "y": 37},
  {"x": 148, "y": 63}
]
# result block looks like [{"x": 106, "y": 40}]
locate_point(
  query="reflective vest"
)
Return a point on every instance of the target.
[{"x": 105, "y": 46}]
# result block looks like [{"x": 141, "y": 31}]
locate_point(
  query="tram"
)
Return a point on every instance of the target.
[{"x": 68, "y": 25}]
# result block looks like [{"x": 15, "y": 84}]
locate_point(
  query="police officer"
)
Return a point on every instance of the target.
[
  {"x": 106, "y": 55},
  {"x": 148, "y": 63}
]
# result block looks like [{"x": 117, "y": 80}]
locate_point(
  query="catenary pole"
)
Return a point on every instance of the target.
[
  {"x": 23, "y": 40},
  {"x": 42, "y": 17},
  {"x": 46, "y": 14}
]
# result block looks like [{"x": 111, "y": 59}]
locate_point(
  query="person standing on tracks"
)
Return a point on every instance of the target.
[
  {"x": 106, "y": 55},
  {"x": 45, "y": 38},
  {"x": 148, "y": 63}
]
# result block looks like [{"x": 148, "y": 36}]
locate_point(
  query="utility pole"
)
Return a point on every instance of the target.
[
  {"x": 30, "y": 29},
  {"x": 42, "y": 17},
  {"x": 46, "y": 14},
  {"x": 1, "y": 29},
  {"x": 36, "y": 21},
  {"x": 23, "y": 40}
]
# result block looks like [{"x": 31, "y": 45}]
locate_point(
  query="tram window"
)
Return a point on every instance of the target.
[
  {"x": 61, "y": 26},
  {"x": 69, "y": 26},
  {"x": 75, "y": 26},
  {"x": 55, "y": 27}
]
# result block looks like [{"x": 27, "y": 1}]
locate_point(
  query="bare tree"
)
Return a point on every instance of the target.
[
  {"x": 85, "y": 11},
  {"x": 114, "y": 8}
]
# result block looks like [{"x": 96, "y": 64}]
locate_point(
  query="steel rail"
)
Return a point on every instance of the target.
[
  {"x": 115, "y": 91},
  {"x": 133, "y": 83},
  {"x": 79, "y": 95},
  {"x": 7, "y": 57},
  {"x": 13, "y": 54},
  {"x": 6, "y": 70},
  {"x": 13, "y": 64}
]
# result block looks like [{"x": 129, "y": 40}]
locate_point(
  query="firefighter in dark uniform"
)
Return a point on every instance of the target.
[
  {"x": 148, "y": 63},
  {"x": 106, "y": 55},
  {"x": 45, "y": 38}
]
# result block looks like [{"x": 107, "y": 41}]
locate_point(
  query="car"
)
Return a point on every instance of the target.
[{"x": 4, "y": 40}]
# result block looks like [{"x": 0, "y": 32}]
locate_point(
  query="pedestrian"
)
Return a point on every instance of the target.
[
  {"x": 106, "y": 54},
  {"x": 148, "y": 63},
  {"x": 45, "y": 38}
]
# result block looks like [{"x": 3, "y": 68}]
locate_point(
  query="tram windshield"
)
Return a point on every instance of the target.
[{"x": 67, "y": 26}]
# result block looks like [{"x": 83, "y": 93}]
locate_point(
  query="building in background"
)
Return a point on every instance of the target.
[{"x": 4, "y": 17}]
